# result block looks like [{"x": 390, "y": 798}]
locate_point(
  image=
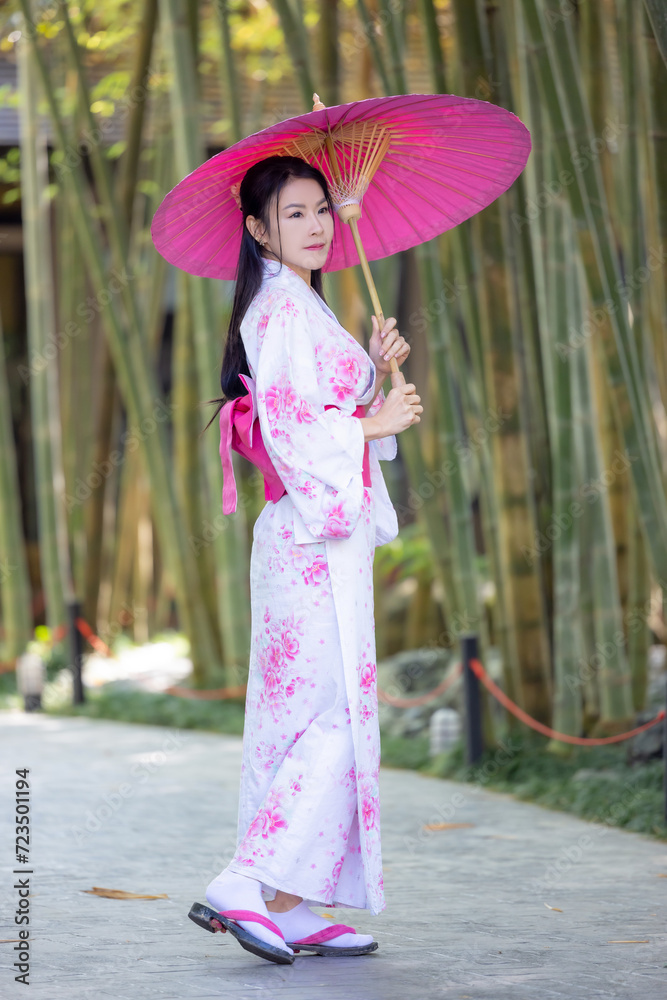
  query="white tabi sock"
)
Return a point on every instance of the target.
[
  {"x": 300, "y": 922},
  {"x": 230, "y": 891}
]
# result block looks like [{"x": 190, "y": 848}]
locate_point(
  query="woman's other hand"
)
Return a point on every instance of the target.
[
  {"x": 399, "y": 411},
  {"x": 386, "y": 344}
]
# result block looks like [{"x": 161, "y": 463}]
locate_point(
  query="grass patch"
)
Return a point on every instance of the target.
[
  {"x": 156, "y": 709},
  {"x": 629, "y": 797},
  {"x": 9, "y": 696},
  {"x": 126, "y": 704},
  {"x": 611, "y": 791},
  {"x": 399, "y": 751}
]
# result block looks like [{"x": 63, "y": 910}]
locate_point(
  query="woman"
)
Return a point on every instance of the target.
[{"x": 308, "y": 829}]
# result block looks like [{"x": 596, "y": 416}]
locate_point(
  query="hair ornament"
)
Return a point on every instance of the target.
[{"x": 234, "y": 191}]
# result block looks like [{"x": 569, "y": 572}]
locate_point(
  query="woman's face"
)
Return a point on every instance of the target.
[{"x": 306, "y": 227}]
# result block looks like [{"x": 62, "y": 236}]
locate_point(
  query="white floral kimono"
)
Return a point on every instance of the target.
[{"x": 309, "y": 811}]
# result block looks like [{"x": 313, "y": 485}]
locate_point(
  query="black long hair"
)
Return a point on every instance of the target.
[{"x": 261, "y": 183}]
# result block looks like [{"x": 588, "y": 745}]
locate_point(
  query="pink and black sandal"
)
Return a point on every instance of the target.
[
  {"x": 317, "y": 942},
  {"x": 213, "y": 921}
]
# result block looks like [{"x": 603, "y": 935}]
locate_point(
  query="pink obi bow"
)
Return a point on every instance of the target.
[{"x": 240, "y": 432}]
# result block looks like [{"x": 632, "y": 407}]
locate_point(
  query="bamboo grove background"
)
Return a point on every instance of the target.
[{"x": 532, "y": 496}]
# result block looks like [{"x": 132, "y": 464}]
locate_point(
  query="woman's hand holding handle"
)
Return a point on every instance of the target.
[
  {"x": 401, "y": 407},
  {"x": 387, "y": 349},
  {"x": 399, "y": 411}
]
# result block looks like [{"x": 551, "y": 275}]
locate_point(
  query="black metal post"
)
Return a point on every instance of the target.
[
  {"x": 76, "y": 652},
  {"x": 473, "y": 701}
]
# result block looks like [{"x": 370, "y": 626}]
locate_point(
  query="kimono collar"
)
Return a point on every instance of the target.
[{"x": 283, "y": 275}]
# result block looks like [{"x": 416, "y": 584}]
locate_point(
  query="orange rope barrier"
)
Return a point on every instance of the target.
[
  {"x": 94, "y": 640},
  {"x": 59, "y": 632},
  {"x": 215, "y": 694},
  {"x": 482, "y": 675},
  {"x": 421, "y": 699}
]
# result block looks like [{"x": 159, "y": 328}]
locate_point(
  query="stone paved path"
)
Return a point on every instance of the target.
[{"x": 153, "y": 810}]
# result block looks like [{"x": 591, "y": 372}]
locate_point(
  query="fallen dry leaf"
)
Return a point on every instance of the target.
[
  {"x": 121, "y": 894},
  {"x": 556, "y": 908},
  {"x": 644, "y": 941},
  {"x": 661, "y": 875},
  {"x": 446, "y": 826}
]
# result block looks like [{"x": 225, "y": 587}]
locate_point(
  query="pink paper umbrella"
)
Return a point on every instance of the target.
[{"x": 420, "y": 164}]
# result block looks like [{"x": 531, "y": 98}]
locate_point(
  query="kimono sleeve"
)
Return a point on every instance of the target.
[
  {"x": 385, "y": 448},
  {"x": 317, "y": 453}
]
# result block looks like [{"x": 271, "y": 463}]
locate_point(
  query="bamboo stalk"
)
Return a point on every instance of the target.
[
  {"x": 393, "y": 13},
  {"x": 528, "y": 355},
  {"x": 152, "y": 271},
  {"x": 433, "y": 46},
  {"x": 75, "y": 392},
  {"x": 478, "y": 409},
  {"x": 568, "y": 644},
  {"x": 653, "y": 85},
  {"x": 527, "y": 639},
  {"x": 142, "y": 578},
  {"x": 588, "y": 432},
  {"x": 187, "y": 466},
  {"x": 296, "y": 43},
  {"x": 14, "y": 581},
  {"x": 138, "y": 91},
  {"x": 108, "y": 403},
  {"x": 658, "y": 15},
  {"x": 636, "y": 624},
  {"x": 647, "y": 303},
  {"x": 423, "y": 499},
  {"x": 107, "y": 396},
  {"x": 136, "y": 380},
  {"x": 558, "y": 72},
  {"x": 453, "y": 433},
  {"x": 605, "y": 657},
  {"x": 112, "y": 512},
  {"x": 456, "y": 259},
  {"x": 378, "y": 58},
  {"x": 44, "y": 392},
  {"x": 229, "y": 546},
  {"x": 229, "y": 77},
  {"x": 532, "y": 250},
  {"x": 329, "y": 63},
  {"x": 121, "y": 553}
]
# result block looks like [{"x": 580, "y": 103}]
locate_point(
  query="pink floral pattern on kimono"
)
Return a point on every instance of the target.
[{"x": 309, "y": 810}]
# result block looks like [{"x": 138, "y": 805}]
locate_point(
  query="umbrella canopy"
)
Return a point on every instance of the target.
[{"x": 419, "y": 164}]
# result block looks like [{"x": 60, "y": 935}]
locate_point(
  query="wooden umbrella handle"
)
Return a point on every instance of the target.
[
  {"x": 397, "y": 377},
  {"x": 350, "y": 214}
]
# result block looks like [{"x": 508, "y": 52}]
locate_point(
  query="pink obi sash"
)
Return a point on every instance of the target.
[{"x": 240, "y": 432}]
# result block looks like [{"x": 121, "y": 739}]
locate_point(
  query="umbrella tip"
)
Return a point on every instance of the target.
[{"x": 317, "y": 104}]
